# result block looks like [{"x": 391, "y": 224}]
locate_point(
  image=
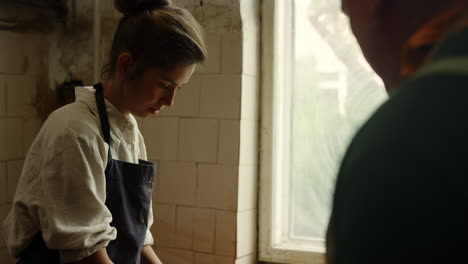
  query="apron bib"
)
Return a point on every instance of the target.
[{"x": 128, "y": 197}]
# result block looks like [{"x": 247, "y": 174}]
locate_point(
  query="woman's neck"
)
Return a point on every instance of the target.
[{"x": 113, "y": 92}]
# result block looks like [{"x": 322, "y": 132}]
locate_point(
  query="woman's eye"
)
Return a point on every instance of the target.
[{"x": 165, "y": 86}]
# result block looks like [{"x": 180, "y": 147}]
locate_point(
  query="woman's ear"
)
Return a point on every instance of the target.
[{"x": 125, "y": 65}]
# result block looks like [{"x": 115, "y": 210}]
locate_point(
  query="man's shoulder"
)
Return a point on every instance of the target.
[
  {"x": 427, "y": 99},
  {"x": 419, "y": 135},
  {"x": 425, "y": 113}
]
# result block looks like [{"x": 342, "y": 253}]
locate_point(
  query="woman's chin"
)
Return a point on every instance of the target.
[
  {"x": 142, "y": 115},
  {"x": 145, "y": 114}
]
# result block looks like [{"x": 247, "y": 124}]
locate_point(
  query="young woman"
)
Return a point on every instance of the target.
[{"x": 84, "y": 195}]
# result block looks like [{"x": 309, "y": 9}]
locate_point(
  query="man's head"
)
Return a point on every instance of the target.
[{"x": 383, "y": 26}]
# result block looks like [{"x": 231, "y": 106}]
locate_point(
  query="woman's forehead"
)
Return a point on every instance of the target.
[{"x": 177, "y": 74}]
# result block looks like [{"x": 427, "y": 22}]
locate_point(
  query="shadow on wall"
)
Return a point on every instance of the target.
[{"x": 50, "y": 100}]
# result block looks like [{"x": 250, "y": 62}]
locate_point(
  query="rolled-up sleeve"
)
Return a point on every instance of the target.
[
  {"x": 149, "y": 237},
  {"x": 73, "y": 216}
]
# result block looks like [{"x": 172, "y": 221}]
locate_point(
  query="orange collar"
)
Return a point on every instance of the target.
[{"x": 421, "y": 43}]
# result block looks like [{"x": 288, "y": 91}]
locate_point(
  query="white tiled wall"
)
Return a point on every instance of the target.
[
  {"x": 213, "y": 63},
  {"x": 177, "y": 183},
  {"x": 2, "y": 95},
  {"x": 225, "y": 233},
  {"x": 184, "y": 227},
  {"x": 20, "y": 95},
  {"x": 198, "y": 140},
  {"x": 229, "y": 139},
  {"x": 247, "y": 182},
  {"x": 12, "y": 55},
  {"x": 208, "y": 193},
  {"x": 231, "y": 52},
  {"x": 174, "y": 255},
  {"x": 11, "y": 141},
  {"x": 3, "y": 185},
  {"x": 205, "y": 203},
  {"x": 218, "y": 115},
  {"x": 14, "y": 168},
  {"x": 164, "y": 225},
  {"x": 246, "y": 222},
  {"x": 217, "y": 186},
  {"x": 161, "y": 138},
  {"x": 220, "y": 96},
  {"x": 204, "y": 222},
  {"x": 201, "y": 258},
  {"x": 19, "y": 73}
]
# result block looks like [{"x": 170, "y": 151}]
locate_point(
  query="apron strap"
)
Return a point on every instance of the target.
[{"x": 101, "y": 106}]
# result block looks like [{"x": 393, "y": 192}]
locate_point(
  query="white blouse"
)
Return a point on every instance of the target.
[{"x": 62, "y": 188}]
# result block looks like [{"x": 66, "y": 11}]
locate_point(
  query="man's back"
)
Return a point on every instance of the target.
[{"x": 402, "y": 192}]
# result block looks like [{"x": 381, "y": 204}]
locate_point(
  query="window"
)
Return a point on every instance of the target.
[{"x": 317, "y": 91}]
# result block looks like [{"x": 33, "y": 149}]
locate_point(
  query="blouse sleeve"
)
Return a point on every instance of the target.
[
  {"x": 73, "y": 216},
  {"x": 149, "y": 237}
]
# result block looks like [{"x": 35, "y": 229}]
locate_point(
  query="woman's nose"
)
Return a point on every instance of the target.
[{"x": 170, "y": 97}]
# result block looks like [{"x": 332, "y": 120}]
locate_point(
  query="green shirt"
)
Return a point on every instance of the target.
[{"x": 402, "y": 191}]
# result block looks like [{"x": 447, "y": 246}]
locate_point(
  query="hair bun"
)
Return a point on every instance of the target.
[{"x": 127, "y": 7}]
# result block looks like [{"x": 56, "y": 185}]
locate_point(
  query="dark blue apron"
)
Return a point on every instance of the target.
[{"x": 128, "y": 196}]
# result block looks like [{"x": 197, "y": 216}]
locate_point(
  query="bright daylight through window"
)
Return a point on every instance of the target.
[{"x": 317, "y": 92}]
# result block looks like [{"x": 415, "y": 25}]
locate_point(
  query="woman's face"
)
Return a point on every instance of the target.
[{"x": 154, "y": 89}]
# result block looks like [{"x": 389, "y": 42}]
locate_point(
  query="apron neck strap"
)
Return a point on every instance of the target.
[{"x": 101, "y": 106}]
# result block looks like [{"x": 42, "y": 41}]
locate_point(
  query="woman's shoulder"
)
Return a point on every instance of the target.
[{"x": 72, "y": 120}]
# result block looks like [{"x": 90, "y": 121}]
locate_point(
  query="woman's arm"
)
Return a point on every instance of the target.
[
  {"x": 148, "y": 256},
  {"x": 98, "y": 257},
  {"x": 73, "y": 216}
]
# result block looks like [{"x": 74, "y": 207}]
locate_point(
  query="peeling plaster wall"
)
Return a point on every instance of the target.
[
  {"x": 215, "y": 16},
  {"x": 71, "y": 47}
]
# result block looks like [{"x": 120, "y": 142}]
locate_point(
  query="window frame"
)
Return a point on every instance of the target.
[{"x": 274, "y": 61}]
